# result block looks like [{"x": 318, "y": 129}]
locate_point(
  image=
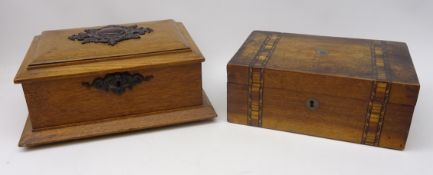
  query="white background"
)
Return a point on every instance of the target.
[{"x": 217, "y": 147}]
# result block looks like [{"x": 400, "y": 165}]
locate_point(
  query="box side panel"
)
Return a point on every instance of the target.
[
  {"x": 398, "y": 115},
  {"x": 67, "y": 101},
  {"x": 396, "y": 126},
  {"x": 404, "y": 94},
  {"x": 237, "y": 100},
  {"x": 393, "y": 64}
]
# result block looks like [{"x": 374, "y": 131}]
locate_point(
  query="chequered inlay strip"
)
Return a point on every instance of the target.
[
  {"x": 379, "y": 97},
  {"x": 255, "y": 81}
]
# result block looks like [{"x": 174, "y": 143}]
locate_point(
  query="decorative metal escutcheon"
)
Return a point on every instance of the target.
[
  {"x": 111, "y": 34},
  {"x": 312, "y": 104},
  {"x": 117, "y": 82}
]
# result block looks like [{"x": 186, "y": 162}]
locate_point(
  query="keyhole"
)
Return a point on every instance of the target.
[
  {"x": 312, "y": 104},
  {"x": 118, "y": 83}
]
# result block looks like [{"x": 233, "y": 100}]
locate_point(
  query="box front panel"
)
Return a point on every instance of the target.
[
  {"x": 370, "y": 121},
  {"x": 286, "y": 110},
  {"x": 314, "y": 114},
  {"x": 108, "y": 95}
]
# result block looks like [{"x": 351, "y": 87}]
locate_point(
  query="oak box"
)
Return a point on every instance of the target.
[{"x": 95, "y": 81}]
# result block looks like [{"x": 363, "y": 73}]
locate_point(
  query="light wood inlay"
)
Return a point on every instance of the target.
[
  {"x": 379, "y": 97},
  {"x": 255, "y": 82}
]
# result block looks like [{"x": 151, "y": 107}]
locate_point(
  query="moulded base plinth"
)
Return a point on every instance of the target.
[{"x": 30, "y": 138}]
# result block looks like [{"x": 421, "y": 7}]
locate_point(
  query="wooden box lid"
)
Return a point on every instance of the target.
[
  {"x": 330, "y": 57},
  {"x": 72, "y": 52}
]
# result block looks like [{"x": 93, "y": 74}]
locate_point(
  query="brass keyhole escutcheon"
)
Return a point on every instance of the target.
[{"x": 312, "y": 104}]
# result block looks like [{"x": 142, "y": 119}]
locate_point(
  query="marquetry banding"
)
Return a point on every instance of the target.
[
  {"x": 255, "y": 81},
  {"x": 380, "y": 92}
]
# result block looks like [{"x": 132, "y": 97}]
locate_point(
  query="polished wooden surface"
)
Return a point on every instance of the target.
[
  {"x": 54, "y": 48},
  {"x": 57, "y": 99},
  {"x": 32, "y": 138},
  {"x": 341, "y": 56},
  {"x": 111, "y": 62},
  {"x": 339, "y": 73},
  {"x": 54, "y": 103}
]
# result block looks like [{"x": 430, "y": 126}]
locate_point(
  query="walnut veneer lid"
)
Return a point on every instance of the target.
[
  {"x": 333, "y": 56},
  {"x": 330, "y": 66}
]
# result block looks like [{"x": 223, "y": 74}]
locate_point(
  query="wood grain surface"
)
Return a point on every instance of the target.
[
  {"x": 122, "y": 124},
  {"x": 107, "y": 62},
  {"x": 54, "y": 103},
  {"x": 365, "y": 90},
  {"x": 56, "y": 70}
]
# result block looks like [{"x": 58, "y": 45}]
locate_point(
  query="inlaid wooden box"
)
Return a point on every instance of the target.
[
  {"x": 355, "y": 90},
  {"x": 95, "y": 81}
]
